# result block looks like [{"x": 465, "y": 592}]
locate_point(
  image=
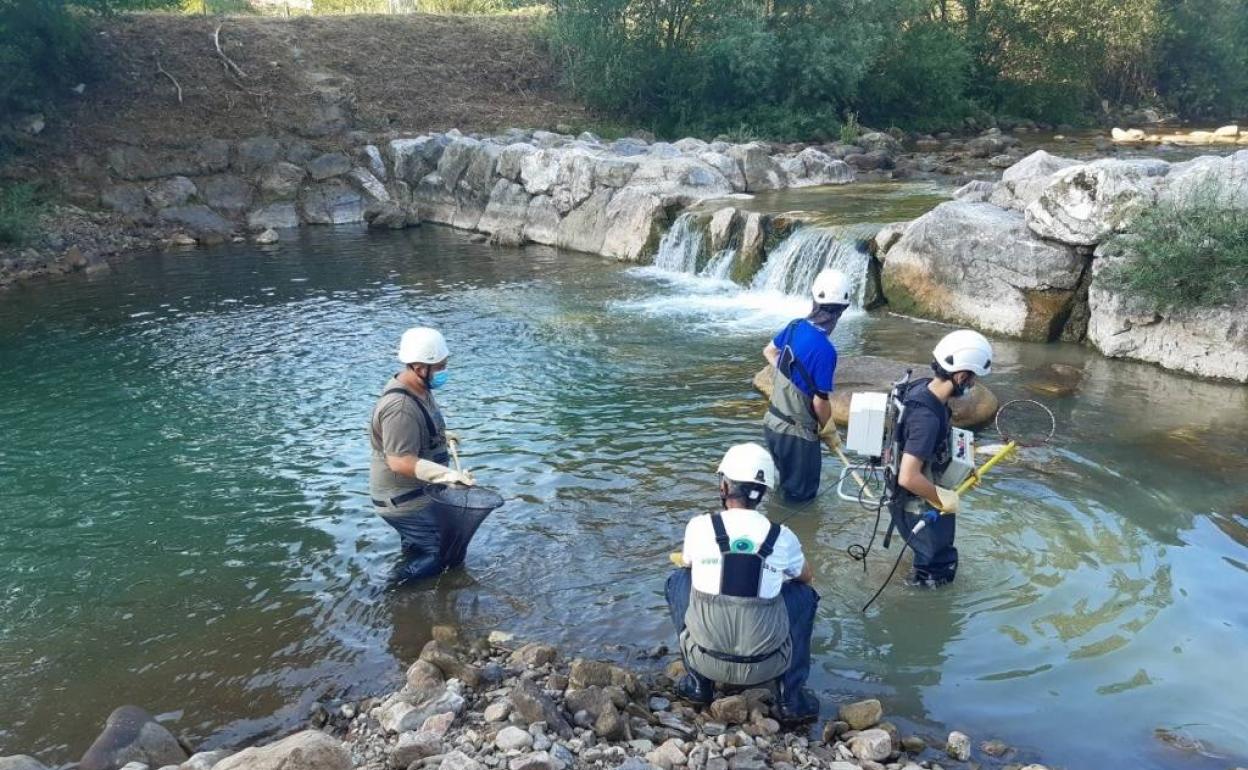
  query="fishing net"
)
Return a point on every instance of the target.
[
  {"x": 1026, "y": 422},
  {"x": 459, "y": 511}
]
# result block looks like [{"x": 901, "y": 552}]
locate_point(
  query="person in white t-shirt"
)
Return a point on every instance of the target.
[{"x": 742, "y": 601}]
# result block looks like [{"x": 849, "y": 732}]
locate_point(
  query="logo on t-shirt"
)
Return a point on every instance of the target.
[{"x": 742, "y": 545}]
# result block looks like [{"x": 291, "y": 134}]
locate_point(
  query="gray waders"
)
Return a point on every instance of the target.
[
  {"x": 791, "y": 429},
  {"x": 737, "y": 637}
]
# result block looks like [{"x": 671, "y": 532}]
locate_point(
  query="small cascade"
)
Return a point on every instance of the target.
[
  {"x": 720, "y": 266},
  {"x": 793, "y": 264},
  {"x": 681, "y": 246}
]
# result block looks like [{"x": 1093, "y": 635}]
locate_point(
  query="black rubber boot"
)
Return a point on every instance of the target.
[
  {"x": 801, "y": 705},
  {"x": 696, "y": 688}
]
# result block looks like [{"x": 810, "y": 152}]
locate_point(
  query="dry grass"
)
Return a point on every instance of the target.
[{"x": 401, "y": 73}]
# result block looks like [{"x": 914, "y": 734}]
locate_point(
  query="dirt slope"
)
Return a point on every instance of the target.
[{"x": 402, "y": 73}]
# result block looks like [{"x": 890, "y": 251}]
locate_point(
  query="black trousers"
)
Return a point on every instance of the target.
[
  {"x": 798, "y": 463},
  {"x": 935, "y": 556}
]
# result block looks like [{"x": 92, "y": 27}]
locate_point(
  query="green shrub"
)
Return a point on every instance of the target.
[
  {"x": 1193, "y": 251},
  {"x": 920, "y": 80},
  {"x": 19, "y": 213},
  {"x": 850, "y": 129}
]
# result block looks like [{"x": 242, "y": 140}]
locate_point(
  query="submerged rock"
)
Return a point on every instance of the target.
[
  {"x": 958, "y": 746},
  {"x": 862, "y": 714},
  {"x": 132, "y": 735}
]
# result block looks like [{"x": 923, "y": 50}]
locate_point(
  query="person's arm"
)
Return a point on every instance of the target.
[
  {"x": 807, "y": 574},
  {"x": 404, "y": 465},
  {"x": 911, "y": 477},
  {"x": 823, "y": 409},
  {"x": 771, "y": 353}
]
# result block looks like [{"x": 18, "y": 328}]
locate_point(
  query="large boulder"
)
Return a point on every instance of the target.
[
  {"x": 1023, "y": 182},
  {"x": 585, "y": 227},
  {"x": 635, "y": 221},
  {"x": 414, "y": 158},
  {"x": 131, "y": 735},
  {"x": 1221, "y": 179},
  {"x": 811, "y": 167},
  {"x": 20, "y": 762},
  {"x": 541, "y": 223},
  {"x": 332, "y": 203},
  {"x": 511, "y": 159},
  {"x": 977, "y": 264},
  {"x": 878, "y": 141},
  {"x": 274, "y": 215},
  {"x": 127, "y": 199},
  {"x": 506, "y": 211},
  {"x": 174, "y": 191},
  {"x": 1082, "y": 205},
  {"x": 256, "y": 152},
  {"x": 727, "y": 166},
  {"x": 206, "y": 225},
  {"x": 859, "y": 374},
  {"x": 308, "y": 750},
  {"x": 1208, "y": 342},
  {"x": 226, "y": 193},
  {"x": 760, "y": 169},
  {"x": 280, "y": 181},
  {"x": 679, "y": 181},
  {"x": 329, "y": 165}
]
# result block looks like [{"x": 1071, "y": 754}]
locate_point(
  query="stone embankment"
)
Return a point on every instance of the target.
[
  {"x": 1026, "y": 257},
  {"x": 495, "y": 705}
]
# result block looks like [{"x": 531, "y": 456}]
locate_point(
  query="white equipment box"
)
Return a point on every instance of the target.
[
  {"x": 866, "y": 424},
  {"x": 961, "y": 458}
]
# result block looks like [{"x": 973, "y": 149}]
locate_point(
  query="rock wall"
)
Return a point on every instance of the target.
[
  {"x": 1026, "y": 257},
  {"x": 576, "y": 193}
]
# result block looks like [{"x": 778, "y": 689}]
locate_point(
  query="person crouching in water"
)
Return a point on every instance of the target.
[
  {"x": 800, "y": 415},
  {"x": 742, "y": 601},
  {"x": 409, "y": 451},
  {"x": 923, "y": 439}
]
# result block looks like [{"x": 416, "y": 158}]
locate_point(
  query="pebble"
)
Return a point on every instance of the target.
[
  {"x": 913, "y": 744},
  {"x": 498, "y": 711},
  {"x": 659, "y": 703},
  {"x": 862, "y": 714},
  {"x": 958, "y": 746},
  {"x": 872, "y": 744},
  {"x": 994, "y": 748},
  {"x": 512, "y": 738}
]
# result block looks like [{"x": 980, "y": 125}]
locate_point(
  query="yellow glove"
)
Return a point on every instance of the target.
[
  {"x": 830, "y": 437},
  {"x": 434, "y": 473},
  {"x": 950, "y": 501}
]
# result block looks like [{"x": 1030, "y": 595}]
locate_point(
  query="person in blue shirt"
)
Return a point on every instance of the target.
[{"x": 800, "y": 415}]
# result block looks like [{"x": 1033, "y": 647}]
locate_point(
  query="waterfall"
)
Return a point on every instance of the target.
[
  {"x": 792, "y": 265},
  {"x": 681, "y": 246},
  {"x": 720, "y": 265}
]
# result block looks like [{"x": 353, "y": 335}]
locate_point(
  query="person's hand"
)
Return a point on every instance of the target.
[
  {"x": 462, "y": 477},
  {"x": 950, "y": 501},
  {"x": 830, "y": 437}
]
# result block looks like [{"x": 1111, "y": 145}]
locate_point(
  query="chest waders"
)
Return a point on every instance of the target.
[
  {"x": 935, "y": 557},
  {"x": 737, "y": 637},
  {"x": 420, "y": 531},
  {"x": 790, "y": 426}
]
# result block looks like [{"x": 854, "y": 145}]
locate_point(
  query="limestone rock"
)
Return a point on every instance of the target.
[
  {"x": 370, "y": 158},
  {"x": 862, "y": 714},
  {"x": 127, "y": 199},
  {"x": 275, "y": 215},
  {"x": 332, "y": 203},
  {"x": 811, "y": 167},
  {"x": 329, "y": 165},
  {"x": 512, "y": 738},
  {"x": 401, "y": 716},
  {"x": 1083, "y": 205},
  {"x": 414, "y": 158},
  {"x": 308, "y": 750},
  {"x": 266, "y": 237},
  {"x": 976, "y": 264},
  {"x": 206, "y": 225},
  {"x": 760, "y": 170},
  {"x": 280, "y": 181},
  {"x": 506, "y": 210},
  {"x": 537, "y": 760},
  {"x": 634, "y": 225},
  {"x": 679, "y": 181},
  {"x": 412, "y": 747},
  {"x": 229, "y": 194},
  {"x": 728, "y": 167},
  {"x": 541, "y": 223},
  {"x": 958, "y": 746},
  {"x": 388, "y": 215},
  {"x": 1225, "y": 179},
  {"x": 256, "y": 152},
  {"x": 669, "y": 755},
  {"x": 534, "y": 655},
  {"x": 1022, "y": 183},
  {"x": 369, "y": 186},
  {"x": 20, "y": 762},
  {"x": 873, "y": 745},
  {"x": 458, "y": 760},
  {"x": 1208, "y": 342},
  {"x": 977, "y": 191},
  {"x": 131, "y": 735},
  {"x": 732, "y": 710},
  {"x": 585, "y": 227},
  {"x": 878, "y": 141},
  {"x": 174, "y": 191},
  {"x": 532, "y": 705},
  {"x": 585, "y": 673}
]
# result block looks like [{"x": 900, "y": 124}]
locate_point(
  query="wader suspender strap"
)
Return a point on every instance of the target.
[
  {"x": 429, "y": 426},
  {"x": 801, "y": 370},
  {"x": 725, "y": 549}
]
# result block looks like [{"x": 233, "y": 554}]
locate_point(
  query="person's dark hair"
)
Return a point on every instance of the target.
[
  {"x": 825, "y": 316},
  {"x": 748, "y": 492},
  {"x": 940, "y": 372}
]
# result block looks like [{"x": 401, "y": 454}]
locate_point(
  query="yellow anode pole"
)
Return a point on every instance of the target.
[{"x": 974, "y": 478}]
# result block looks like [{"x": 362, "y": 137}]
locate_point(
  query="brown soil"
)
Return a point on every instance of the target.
[{"x": 408, "y": 73}]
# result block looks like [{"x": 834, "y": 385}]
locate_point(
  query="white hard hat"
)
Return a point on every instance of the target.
[
  {"x": 964, "y": 351},
  {"x": 422, "y": 345},
  {"x": 831, "y": 287},
  {"x": 748, "y": 464}
]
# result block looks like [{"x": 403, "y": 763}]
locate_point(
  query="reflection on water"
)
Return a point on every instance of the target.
[{"x": 183, "y": 484}]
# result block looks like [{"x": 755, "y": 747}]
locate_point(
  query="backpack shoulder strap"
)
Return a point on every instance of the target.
[
  {"x": 769, "y": 543},
  {"x": 721, "y": 534},
  {"x": 424, "y": 411}
]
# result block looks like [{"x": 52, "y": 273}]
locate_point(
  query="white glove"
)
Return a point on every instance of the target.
[
  {"x": 451, "y": 437},
  {"x": 434, "y": 473},
  {"x": 829, "y": 435},
  {"x": 950, "y": 501}
]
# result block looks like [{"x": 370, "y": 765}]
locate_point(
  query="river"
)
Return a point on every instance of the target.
[{"x": 183, "y": 497}]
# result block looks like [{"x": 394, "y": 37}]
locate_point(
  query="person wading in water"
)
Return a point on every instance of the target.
[
  {"x": 800, "y": 415},
  {"x": 409, "y": 451}
]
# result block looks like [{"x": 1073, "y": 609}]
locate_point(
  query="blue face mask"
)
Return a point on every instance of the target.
[{"x": 438, "y": 379}]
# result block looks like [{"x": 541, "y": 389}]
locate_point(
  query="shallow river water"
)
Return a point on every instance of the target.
[{"x": 184, "y": 520}]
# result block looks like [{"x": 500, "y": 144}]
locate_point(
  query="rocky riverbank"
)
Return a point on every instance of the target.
[
  {"x": 1026, "y": 257},
  {"x": 494, "y": 703}
]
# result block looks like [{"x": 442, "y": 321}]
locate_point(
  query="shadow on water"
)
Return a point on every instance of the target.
[{"x": 183, "y": 490}]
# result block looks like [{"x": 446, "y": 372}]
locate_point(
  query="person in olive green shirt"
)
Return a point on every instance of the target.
[{"x": 409, "y": 442}]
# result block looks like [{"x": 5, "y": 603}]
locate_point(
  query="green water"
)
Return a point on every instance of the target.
[{"x": 185, "y": 525}]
